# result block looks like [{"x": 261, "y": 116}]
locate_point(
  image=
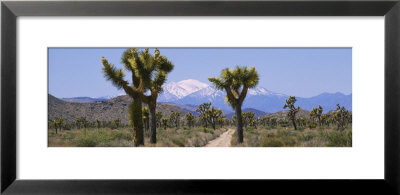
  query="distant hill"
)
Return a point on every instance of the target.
[
  {"x": 257, "y": 113},
  {"x": 193, "y": 92},
  {"x": 103, "y": 110},
  {"x": 188, "y": 94},
  {"x": 84, "y": 99},
  {"x": 282, "y": 114}
]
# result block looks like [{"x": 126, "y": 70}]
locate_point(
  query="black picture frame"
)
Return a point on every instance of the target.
[{"x": 10, "y": 10}]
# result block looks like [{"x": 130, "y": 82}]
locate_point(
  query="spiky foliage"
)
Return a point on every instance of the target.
[
  {"x": 190, "y": 119},
  {"x": 153, "y": 71},
  {"x": 342, "y": 117},
  {"x": 164, "y": 122},
  {"x": 148, "y": 73},
  {"x": 274, "y": 121},
  {"x": 292, "y": 110},
  {"x": 316, "y": 113},
  {"x": 98, "y": 123},
  {"x": 158, "y": 118},
  {"x": 132, "y": 63},
  {"x": 236, "y": 83},
  {"x": 213, "y": 115},
  {"x": 202, "y": 110},
  {"x": 117, "y": 122},
  {"x": 248, "y": 119},
  {"x": 146, "y": 120},
  {"x": 58, "y": 123},
  {"x": 174, "y": 118}
]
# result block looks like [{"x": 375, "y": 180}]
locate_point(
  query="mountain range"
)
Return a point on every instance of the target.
[{"x": 188, "y": 94}]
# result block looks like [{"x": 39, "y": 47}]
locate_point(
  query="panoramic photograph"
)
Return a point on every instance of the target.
[{"x": 199, "y": 97}]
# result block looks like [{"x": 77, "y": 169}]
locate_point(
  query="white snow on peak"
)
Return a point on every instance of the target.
[
  {"x": 208, "y": 91},
  {"x": 258, "y": 91},
  {"x": 184, "y": 88}
]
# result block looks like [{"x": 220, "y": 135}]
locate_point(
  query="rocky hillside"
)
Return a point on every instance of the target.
[
  {"x": 282, "y": 114},
  {"x": 102, "y": 110}
]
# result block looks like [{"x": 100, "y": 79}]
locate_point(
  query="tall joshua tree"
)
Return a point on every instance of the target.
[
  {"x": 292, "y": 110},
  {"x": 135, "y": 89},
  {"x": 155, "y": 69},
  {"x": 236, "y": 82}
]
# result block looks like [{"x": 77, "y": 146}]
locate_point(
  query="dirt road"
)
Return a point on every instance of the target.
[{"x": 224, "y": 140}]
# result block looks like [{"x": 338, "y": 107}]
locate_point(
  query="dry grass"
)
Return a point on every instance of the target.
[
  {"x": 288, "y": 137},
  {"x": 171, "y": 137}
]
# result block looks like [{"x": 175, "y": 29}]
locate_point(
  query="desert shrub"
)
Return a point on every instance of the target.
[
  {"x": 338, "y": 139},
  {"x": 69, "y": 136},
  {"x": 88, "y": 141},
  {"x": 306, "y": 137},
  {"x": 205, "y": 130},
  {"x": 278, "y": 141},
  {"x": 312, "y": 125},
  {"x": 113, "y": 126},
  {"x": 301, "y": 128},
  {"x": 288, "y": 141},
  {"x": 271, "y": 142},
  {"x": 179, "y": 141},
  {"x": 285, "y": 133},
  {"x": 121, "y": 135}
]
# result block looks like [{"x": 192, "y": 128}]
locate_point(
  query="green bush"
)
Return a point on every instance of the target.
[
  {"x": 271, "y": 142},
  {"x": 86, "y": 142},
  {"x": 205, "y": 130},
  {"x": 278, "y": 141},
  {"x": 179, "y": 141},
  {"x": 307, "y": 137},
  {"x": 121, "y": 135},
  {"x": 340, "y": 139},
  {"x": 312, "y": 125}
]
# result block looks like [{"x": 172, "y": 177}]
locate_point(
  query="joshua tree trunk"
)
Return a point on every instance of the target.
[
  {"x": 152, "y": 109},
  {"x": 136, "y": 114},
  {"x": 319, "y": 121},
  {"x": 239, "y": 124},
  {"x": 294, "y": 124},
  {"x": 213, "y": 125}
]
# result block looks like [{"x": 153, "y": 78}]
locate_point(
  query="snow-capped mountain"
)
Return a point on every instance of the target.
[
  {"x": 174, "y": 91},
  {"x": 258, "y": 98},
  {"x": 192, "y": 92}
]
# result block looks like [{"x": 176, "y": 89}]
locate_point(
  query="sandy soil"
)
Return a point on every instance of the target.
[{"x": 224, "y": 140}]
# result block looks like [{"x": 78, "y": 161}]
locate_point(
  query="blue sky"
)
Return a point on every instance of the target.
[{"x": 303, "y": 72}]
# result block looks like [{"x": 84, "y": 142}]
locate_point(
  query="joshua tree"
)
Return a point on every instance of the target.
[
  {"x": 202, "y": 110},
  {"x": 155, "y": 69},
  {"x": 134, "y": 90},
  {"x": 58, "y": 123},
  {"x": 316, "y": 113},
  {"x": 292, "y": 110},
  {"x": 148, "y": 73},
  {"x": 212, "y": 116},
  {"x": 341, "y": 116},
  {"x": 236, "y": 82},
  {"x": 164, "y": 123},
  {"x": 98, "y": 123},
  {"x": 78, "y": 122},
  {"x": 273, "y": 121},
  {"x": 145, "y": 112},
  {"x": 158, "y": 118},
  {"x": 190, "y": 119},
  {"x": 248, "y": 118},
  {"x": 117, "y": 122},
  {"x": 174, "y": 118}
]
